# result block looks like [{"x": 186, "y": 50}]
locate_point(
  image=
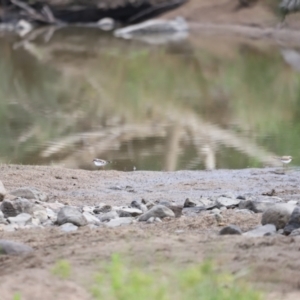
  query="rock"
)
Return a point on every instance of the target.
[
  {"x": 158, "y": 211},
  {"x": 193, "y": 211},
  {"x": 119, "y": 222},
  {"x": 89, "y": 209},
  {"x": 259, "y": 204},
  {"x": 124, "y": 214},
  {"x": 295, "y": 232},
  {"x": 30, "y": 193},
  {"x": 177, "y": 210},
  {"x": 139, "y": 206},
  {"x": 41, "y": 215},
  {"x": 51, "y": 215},
  {"x": 91, "y": 219},
  {"x": 13, "y": 248},
  {"x": 108, "y": 216},
  {"x": 2, "y": 219},
  {"x": 68, "y": 227},
  {"x": 102, "y": 209},
  {"x": 207, "y": 203},
  {"x": 12, "y": 208},
  {"x": 230, "y": 229},
  {"x": 9, "y": 227},
  {"x": 215, "y": 211},
  {"x": 189, "y": 203},
  {"x": 21, "y": 219},
  {"x": 149, "y": 204},
  {"x": 154, "y": 220},
  {"x": 247, "y": 196},
  {"x": 265, "y": 230},
  {"x": 69, "y": 214},
  {"x": 2, "y": 191},
  {"x": 279, "y": 215},
  {"x": 54, "y": 206},
  {"x": 133, "y": 212},
  {"x": 293, "y": 222},
  {"x": 227, "y": 202}
]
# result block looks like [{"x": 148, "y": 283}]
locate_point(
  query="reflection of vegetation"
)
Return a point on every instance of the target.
[
  {"x": 120, "y": 282},
  {"x": 133, "y": 92}
]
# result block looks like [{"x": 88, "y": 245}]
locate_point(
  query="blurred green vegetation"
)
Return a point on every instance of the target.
[
  {"x": 252, "y": 93},
  {"x": 121, "y": 282}
]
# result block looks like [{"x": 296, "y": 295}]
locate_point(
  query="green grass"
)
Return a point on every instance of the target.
[
  {"x": 17, "y": 296},
  {"x": 121, "y": 282},
  {"x": 62, "y": 269}
]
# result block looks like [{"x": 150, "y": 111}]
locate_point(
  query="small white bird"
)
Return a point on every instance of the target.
[{"x": 100, "y": 162}]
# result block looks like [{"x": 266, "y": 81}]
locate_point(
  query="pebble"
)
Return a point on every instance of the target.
[
  {"x": 230, "y": 230},
  {"x": 91, "y": 219},
  {"x": 14, "y": 248},
  {"x": 293, "y": 222},
  {"x": 106, "y": 217},
  {"x": 102, "y": 209},
  {"x": 133, "y": 212},
  {"x": 279, "y": 215},
  {"x": 159, "y": 211},
  {"x": 69, "y": 214},
  {"x": 227, "y": 202},
  {"x": 12, "y": 208},
  {"x": 260, "y": 231},
  {"x": 2, "y": 220},
  {"x": 68, "y": 227},
  {"x": 30, "y": 193},
  {"x": 21, "y": 219},
  {"x": 119, "y": 222},
  {"x": 2, "y": 191}
]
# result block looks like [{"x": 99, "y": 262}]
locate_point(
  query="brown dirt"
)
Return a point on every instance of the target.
[{"x": 272, "y": 262}]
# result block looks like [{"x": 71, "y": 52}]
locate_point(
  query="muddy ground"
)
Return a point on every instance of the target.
[{"x": 270, "y": 263}]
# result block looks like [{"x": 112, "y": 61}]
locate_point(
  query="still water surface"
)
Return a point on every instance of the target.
[{"x": 205, "y": 103}]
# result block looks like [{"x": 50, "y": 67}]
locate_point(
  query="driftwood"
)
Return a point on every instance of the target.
[{"x": 84, "y": 11}]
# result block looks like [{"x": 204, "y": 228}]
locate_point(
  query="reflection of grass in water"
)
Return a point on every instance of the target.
[
  {"x": 119, "y": 282},
  {"x": 255, "y": 91}
]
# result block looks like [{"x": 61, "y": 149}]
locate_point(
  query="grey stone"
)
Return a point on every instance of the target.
[
  {"x": 30, "y": 193},
  {"x": 102, "y": 209},
  {"x": 177, "y": 209},
  {"x": 55, "y": 206},
  {"x": 295, "y": 232},
  {"x": 227, "y": 202},
  {"x": 2, "y": 191},
  {"x": 139, "y": 206},
  {"x": 2, "y": 219},
  {"x": 279, "y": 215},
  {"x": 189, "y": 203},
  {"x": 108, "y": 216},
  {"x": 9, "y": 227},
  {"x": 159, "y": 211},
  {"x": 259, "y": 204},
  {"x": 12, "y": 208},
  {"x": 89, "y": 209},
  {"x": 149, "y": 204},
  {"x": 223, "y": 208},
  {"x": 154, "y": 220},
  {"x": 41, "y": 215},
  {"x": 68, "y": 227},
  {"x": 231, "y": 229},
  {"x": 247, "y": 196},
  {"x": 119, "y": 222},
  {"x": 219, "y": 218},
  {"x": 133, "y": 212},
  {"x": 293, "y": 222},
  {"x": 193, "y": 211},
  {"x": 91, "y": 219},
  {"x": 51, "y": 215},
  {"x": 13, "y": 248},
  {"x": 21, "y": 219},
  {"x": 215, "y": 211},
  {"x": 207, "y": 203},
  {"x": 69, "y": 214},
  {"x": 265, "y": 230}
]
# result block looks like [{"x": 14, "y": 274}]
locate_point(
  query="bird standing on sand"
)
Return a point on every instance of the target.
[
  {"x": 100, "y": 162},
  {"x": 285, "y": 160}
]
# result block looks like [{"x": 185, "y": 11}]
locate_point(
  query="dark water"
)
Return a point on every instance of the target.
[{"x": 70, "y": 95}]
